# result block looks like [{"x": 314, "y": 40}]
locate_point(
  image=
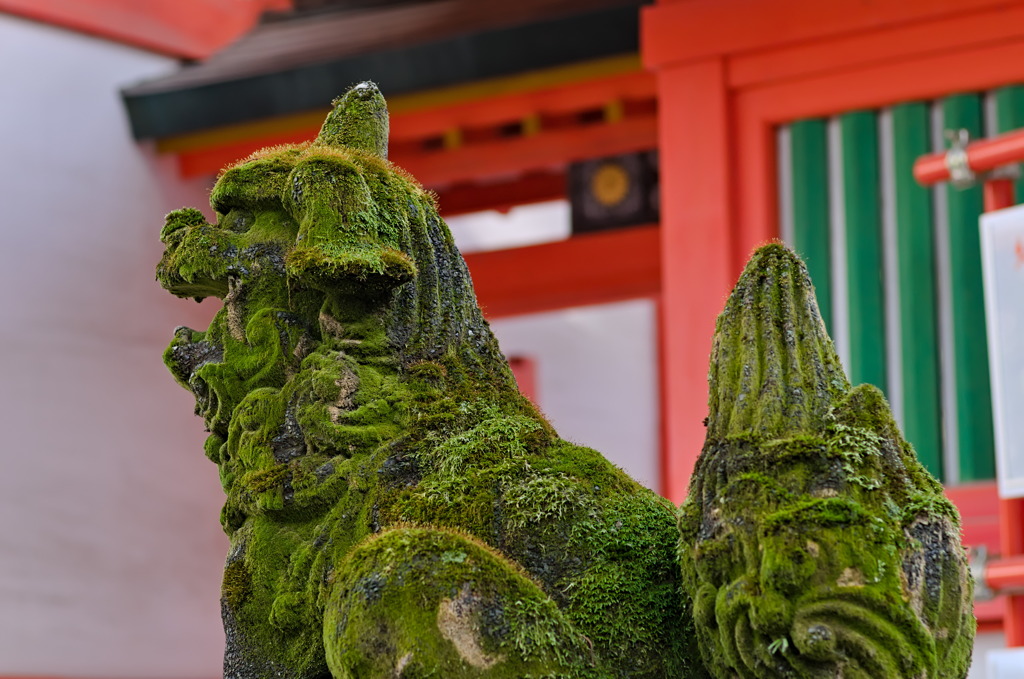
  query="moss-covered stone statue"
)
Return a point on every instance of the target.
[
  {"x": 395, "y": 506},
  {"x": 396, "y": 509}
]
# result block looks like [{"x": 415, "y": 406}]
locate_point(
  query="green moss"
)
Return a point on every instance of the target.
[
  {"x": 256, "y": 183},
  {"x": 237, "y": 584},
  {"x": 814, "y": 512},
  {"x": 538, "y": 499},
  {"x": 359, "y": 120},
  {"x": 437, "y": 603},
  {"x": 261, "y": 481},
  {"x": 381, "y": 470},
  {"x": 773, "y": 367}
]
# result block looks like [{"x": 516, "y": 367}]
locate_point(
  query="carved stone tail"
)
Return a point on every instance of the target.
[
  {"x": 774, "y": 370},
  {"x": 813, "y": 543}
]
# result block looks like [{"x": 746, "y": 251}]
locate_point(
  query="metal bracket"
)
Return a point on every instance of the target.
[
  {"x": 961, "y": 175},
  {"x": 1003, "y": 172},
  {"x": 977, "y": 558}
]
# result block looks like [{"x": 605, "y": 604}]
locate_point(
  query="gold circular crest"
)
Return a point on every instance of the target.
[{"x": 609, "y": 184}]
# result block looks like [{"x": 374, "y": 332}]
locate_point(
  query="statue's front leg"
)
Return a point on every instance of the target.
[{"x": 429, "y": 602}]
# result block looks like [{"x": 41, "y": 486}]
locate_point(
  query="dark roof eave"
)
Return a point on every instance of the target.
[{"x": 488, "y": 54}]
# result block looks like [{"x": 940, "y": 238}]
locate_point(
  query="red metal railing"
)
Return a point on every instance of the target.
[{"x": 982, "y": 156}]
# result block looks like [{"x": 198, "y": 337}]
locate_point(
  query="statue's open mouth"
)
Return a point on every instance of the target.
[{"x": 186, "y": 356}]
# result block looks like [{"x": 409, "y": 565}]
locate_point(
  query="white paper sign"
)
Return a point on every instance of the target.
[{"x": 1002, "y": 254}]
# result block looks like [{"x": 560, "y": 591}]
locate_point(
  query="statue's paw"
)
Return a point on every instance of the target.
[
  {"x": 426, "y": 602},
  {"x": 200, "y": 257}
]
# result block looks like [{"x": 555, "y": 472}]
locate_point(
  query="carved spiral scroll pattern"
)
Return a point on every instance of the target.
[{"x": 856, "y": 631}]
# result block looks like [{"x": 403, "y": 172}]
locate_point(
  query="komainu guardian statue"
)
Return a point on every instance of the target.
[{"x": 396, "y": 508}]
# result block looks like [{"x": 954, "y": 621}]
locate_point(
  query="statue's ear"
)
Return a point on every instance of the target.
[{"x": 359, "y": 121}]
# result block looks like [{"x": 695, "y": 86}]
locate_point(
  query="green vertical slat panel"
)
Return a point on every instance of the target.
[
  {"x": 864, "y": 266},
  {"x": 809, "y": 148},
  {"x": 1010, "y": 115},
  {"x": 970, "y": 350},
  {"x": 919, "y": 343}
]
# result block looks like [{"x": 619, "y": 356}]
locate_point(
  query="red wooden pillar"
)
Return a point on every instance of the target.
[
  {"x": 525, "y": 371},
  {"x": 696, "y": 226}
]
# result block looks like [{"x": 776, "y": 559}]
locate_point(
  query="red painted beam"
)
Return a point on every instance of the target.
[
  {"x": 882, "y": 47},
  {"x": 925, "y": 76},
  {"x": 525, "y": 370},
  {"x": 515, "y": 106},
  {"x": 473, "y": 161},
  {"x": 978, "y": 504},
  {"x": 999, "y": 194},
  {"x": 589, "y": 269},
  {"x": 190, "y": 29},
  {"x": 473, "y": 197},
  {"x": 990, "y": 614},
  {"x": 1006, "y": 573},
  {"x": 678, "y": 32},
  {"x": 538, "y": 151},
  {"x": 206, "y": 152},
  {"x": 209, "y": 160}
]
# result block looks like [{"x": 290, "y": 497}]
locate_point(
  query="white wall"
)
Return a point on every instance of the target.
[
  {"x": 110, "y": 550},
  {"x": 596, "y": 378},
  {"x": 597, "y": 372},
  {"x": 991, "y": 660},
  {"x": 522, "y": 225}
]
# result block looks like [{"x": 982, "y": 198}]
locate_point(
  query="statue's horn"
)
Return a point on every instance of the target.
[{"x": 359, "y": 121}]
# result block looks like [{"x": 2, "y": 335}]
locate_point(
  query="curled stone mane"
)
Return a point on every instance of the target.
[{"x": 436, "y": 312}]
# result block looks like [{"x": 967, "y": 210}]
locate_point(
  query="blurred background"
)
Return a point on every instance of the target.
[{"x": 606, "y": 166}]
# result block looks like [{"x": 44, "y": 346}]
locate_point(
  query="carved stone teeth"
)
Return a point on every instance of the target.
[{"x": 233, "y": 303}]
